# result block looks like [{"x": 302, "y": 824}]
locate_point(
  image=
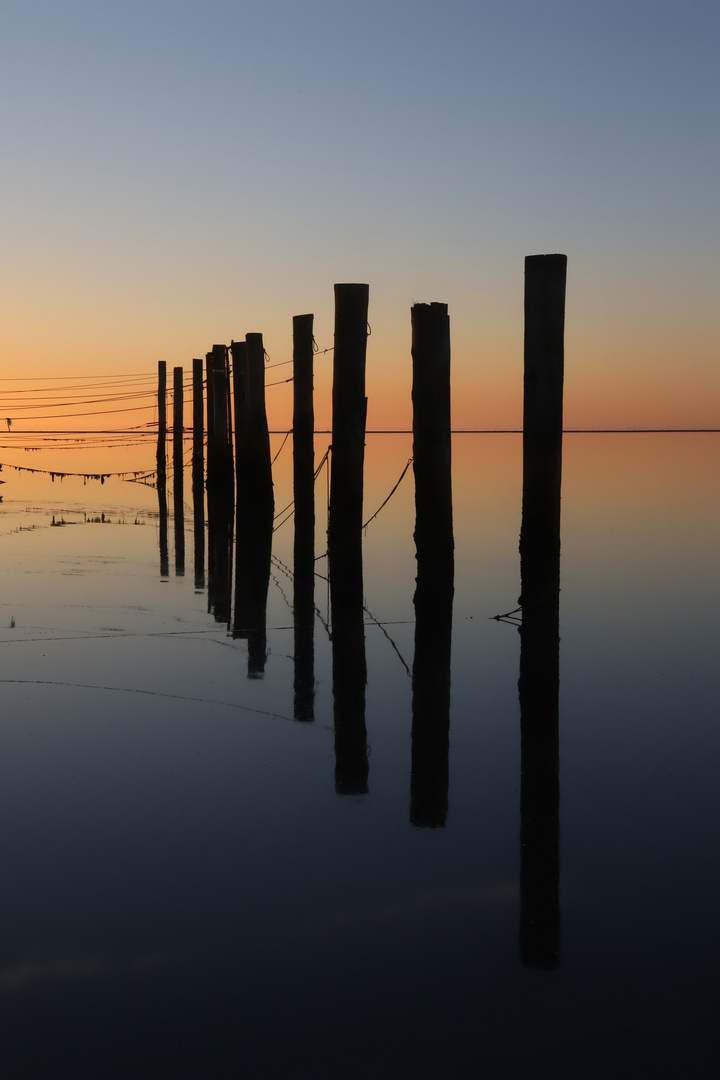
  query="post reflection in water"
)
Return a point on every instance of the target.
[
  {"x": 540, "y": 602},
  {"x": 253, "y": 553},
  {"x": 304, "y": 537},
  {"x": 199, "y": 529},
  {"x": 198, "y": 477},
  {"x": 538, "y": 689},
  {"x": 345, "y": 566},
  {"x": 349, "y": 673},
  {"x": 435, "y": 547},
  {"x": 179, "y": 525},
  {"x": 429, "y": 775},
  {"x": 220, "y": 545},
  {"x": 163, "y": 527}
]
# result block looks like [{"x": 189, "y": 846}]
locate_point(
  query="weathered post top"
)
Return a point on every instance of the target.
[{"x": 545, "y": 277}]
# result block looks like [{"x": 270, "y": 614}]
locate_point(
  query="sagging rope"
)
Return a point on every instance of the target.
[{"x": 402, "y": 474}]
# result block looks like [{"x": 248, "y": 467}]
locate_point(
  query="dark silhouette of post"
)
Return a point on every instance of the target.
[
  {"x": 162, "y": 471},
  {"x": 259, "y": 467},
  {"x": 163, "y": 531},
  {"x": 349, "y": 406},
  {"x": 220, "y": 554},
  {"x": 345, "y": 539},
  {"x": 432, "y": 438},
  {"x": 538, "y": 686},
  {"x": 198, "y": 452},
  {"x": 209, "y": 366},
  {"x": 220, "y": 486},
  {"x": 241, "y": 615},
  {"x": 162, "y": 423},
  {"x": 178, "y": 493},
  {"x": 198, "y": 476},
  {"x": 220, "y": 462},
  {"x": 304, "y": 498},
  {"x": 434, "y": 545},
  {"x": 255, "y": 503},
  {"x": 238, "y": 351}
]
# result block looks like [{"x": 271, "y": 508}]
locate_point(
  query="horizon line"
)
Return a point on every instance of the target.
[{"x": 383, "y": 431}]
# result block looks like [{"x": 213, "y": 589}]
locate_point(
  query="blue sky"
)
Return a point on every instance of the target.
[{"x": 176, "y": 174}]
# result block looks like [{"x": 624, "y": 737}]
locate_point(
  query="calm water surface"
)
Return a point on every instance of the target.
[{"x": 186, "y": 894}]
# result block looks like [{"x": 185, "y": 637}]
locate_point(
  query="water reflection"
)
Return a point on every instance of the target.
[
  {"x": 220, "y": 553},
  {"x": 179, "y": 526},
  {"x": 163, "y": 527},
  {"x": 538, "y": 689},
  {"x": 304, "y": 532},
  {"x": 215, "y": 844},
  {"x": 429, "y": 776},
  {"x": 349, "y": 668},
  {"x": 253, "y": 552},
  {"x": 198, "y": 526}
]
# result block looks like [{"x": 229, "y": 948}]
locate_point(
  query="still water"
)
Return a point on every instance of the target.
[{"x": 185, "y": 892}]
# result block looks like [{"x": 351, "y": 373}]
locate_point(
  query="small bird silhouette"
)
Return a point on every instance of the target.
[{"x": 8, "y": 421}]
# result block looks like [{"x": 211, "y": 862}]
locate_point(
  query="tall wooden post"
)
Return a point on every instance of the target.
[
  {"x": 178, "y": 486},
  {"x": 260, "y": 485},
  {"x": 219, "y": 393},
  {"x": 304, "y": 497},
  {"x": 198, "y": 453},
  {"x": 209, "y": 411},
  {"x": 432, "y": 438},
  {"x": 162, "y": 423},
  {"x": 238, "y": 352},
  {"x": 545, "y": 277},
  {"x": 349, "y": 669},
  {"x": 198, "y": 470},
  {"x": 163, "y": 531},
  {"x": 538, "y": 685},
  {"x": 434, "y": 546},
  {"x": 349, "y": 406}
]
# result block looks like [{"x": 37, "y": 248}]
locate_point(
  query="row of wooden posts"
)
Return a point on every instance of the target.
[
  {"x": 243, "y": 410},
  {"x": 250, "y": 469}
]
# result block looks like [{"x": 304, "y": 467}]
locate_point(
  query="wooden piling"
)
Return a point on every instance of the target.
[
  {"x": 210, "y": 413},
  {"x": 349, "y": 407},
  {"x": 349, "y": 670},
  {"x": 162, "y": 422},
  {"x": 303, "y": 425},
  {"x": 434, "y": 549},
  {"x": 260, "y": 485},
  {"x": 432, "y": 438},
  {"x": 538, "y": 685},
  {"x": 178, "y": 493},
  {"x": 223, "y": 469},
  {"x": 545, "y": 277},
  {"x": 198, "y": 476},
  {"x": 238, "y": 351},
  {"x": 178, "y": 421},
  {"x": 198, "y": 452},
  {"x": 304, "y": 519}
]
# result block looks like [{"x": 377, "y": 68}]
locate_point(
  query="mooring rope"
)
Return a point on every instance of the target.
[
  {"x": 402, "y": 474},
  {"x": 287, "y": 436}
]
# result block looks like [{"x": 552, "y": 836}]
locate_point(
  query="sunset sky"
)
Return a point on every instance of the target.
[{"x": 176, "y": 173}]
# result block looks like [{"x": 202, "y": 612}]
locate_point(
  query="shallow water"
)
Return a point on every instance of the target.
[{"x": 186, "y": 894}]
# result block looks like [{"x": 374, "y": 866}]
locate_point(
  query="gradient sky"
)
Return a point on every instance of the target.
[{"x": 177, "y": 173}]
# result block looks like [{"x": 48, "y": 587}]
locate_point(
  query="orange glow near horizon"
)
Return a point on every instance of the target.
[{"x": 614, "y": 377}]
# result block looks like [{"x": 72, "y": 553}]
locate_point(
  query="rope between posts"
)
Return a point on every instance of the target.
[
  {"x": 402, "y": 474},
  {"x": 287, "y": 436},
  {"x": 291, "y": 504}
]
